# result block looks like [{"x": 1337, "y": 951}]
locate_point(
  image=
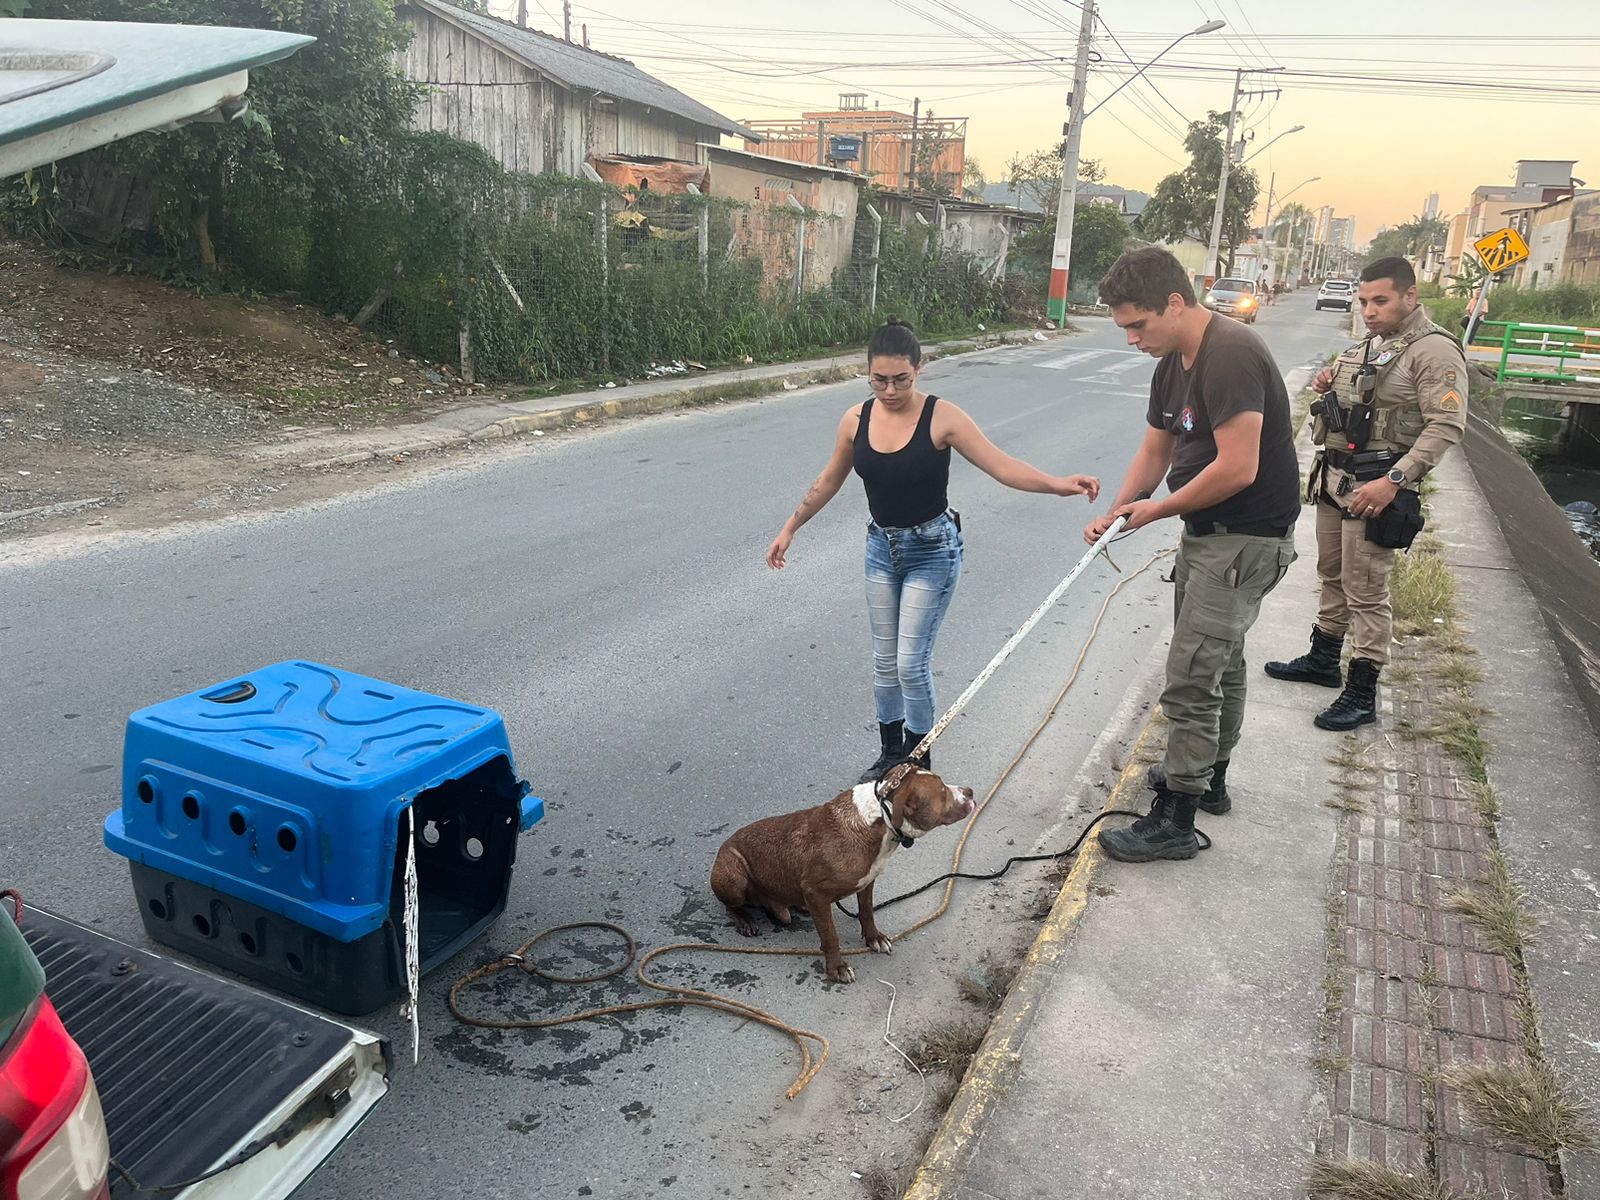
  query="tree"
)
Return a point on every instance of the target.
[
  {"x": 1099, "y": 234},
  {"x": 1412, "y": 240},
  {"x": 1036, "y": 178},
  {"x": 1186, "y": 200},
  {"x": 930, "y": 147},
  {"x": 321, "y": 127},
  {"x": 972, "y": 181}
]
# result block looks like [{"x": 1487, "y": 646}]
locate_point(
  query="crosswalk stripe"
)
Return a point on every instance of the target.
[
  {"x": 1067, "y": 360},
  {"x": 1078, "y": 356}
]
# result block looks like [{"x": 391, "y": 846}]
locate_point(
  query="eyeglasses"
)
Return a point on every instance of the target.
[{"x": 882, "y": 383}]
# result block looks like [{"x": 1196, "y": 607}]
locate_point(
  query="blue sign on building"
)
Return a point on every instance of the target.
[{"x": 844, "y": 149}]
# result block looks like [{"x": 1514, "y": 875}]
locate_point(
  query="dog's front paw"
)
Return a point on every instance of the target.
[
  {"x": 880, "y": 944},
  {"x": 745, "y": 926},
  {"x": 840, "y": 972}
]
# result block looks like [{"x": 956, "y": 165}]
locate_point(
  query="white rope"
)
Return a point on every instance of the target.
[
  {"x": 1016, "y": 638},
  {"x": 888, "y": 1029},
  {"x": 409, "y": 922}
]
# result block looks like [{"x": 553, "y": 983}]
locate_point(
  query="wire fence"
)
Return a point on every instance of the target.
[{"x": 532, "y": 278}]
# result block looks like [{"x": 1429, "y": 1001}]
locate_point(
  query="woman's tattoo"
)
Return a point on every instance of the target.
[{"x": 811, "y": 494}]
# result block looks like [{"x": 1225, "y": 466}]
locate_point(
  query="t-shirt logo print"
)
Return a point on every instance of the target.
[{"x": 1186, "y": 419}]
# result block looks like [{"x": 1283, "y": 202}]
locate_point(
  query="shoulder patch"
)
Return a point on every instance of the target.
[{"x": 1450, "y": 401}]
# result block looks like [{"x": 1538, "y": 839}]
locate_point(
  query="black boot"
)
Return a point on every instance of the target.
[
  {"x": 1167, "y": 831},
  {"x": 1216, "y": 801},
  {"x": 1357, "y": 705},
  {"x": 1318, "y": 665},
  {"x": 923, "y": 760},
  {"x": 893, "y": 737}
]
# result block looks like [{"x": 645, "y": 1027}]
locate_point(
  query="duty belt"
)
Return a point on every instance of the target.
[{"x": 1245, "y": 529}]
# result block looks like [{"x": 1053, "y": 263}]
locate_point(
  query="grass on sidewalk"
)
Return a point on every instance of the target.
[
  {"x": 1498, "y": 910},
  {"x": 1353, "y": 1179},
  {"x": 1526, "y": 1103},
  {"x": 1421, "y": 588}
]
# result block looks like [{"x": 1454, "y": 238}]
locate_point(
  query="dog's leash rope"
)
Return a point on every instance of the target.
[
  {"x": 893, "y": 778},
  {"x": 681, "y": 997}
]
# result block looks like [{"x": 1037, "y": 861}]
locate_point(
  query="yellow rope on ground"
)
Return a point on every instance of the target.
[{"x": 682, "y": 997}]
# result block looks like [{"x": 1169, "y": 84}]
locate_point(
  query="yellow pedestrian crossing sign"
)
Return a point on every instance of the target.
[{"x": 1501, "y": 249}]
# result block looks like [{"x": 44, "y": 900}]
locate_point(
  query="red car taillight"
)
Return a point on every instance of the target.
[{"x": 52, "y": 1133}]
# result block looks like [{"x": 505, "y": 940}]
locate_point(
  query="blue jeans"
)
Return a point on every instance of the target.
[{"x": 911, "y": 576}]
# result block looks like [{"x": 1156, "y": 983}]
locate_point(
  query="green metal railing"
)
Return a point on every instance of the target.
[{"x": 1575, "y": 351}]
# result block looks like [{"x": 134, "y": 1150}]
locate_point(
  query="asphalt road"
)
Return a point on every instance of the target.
[{"x": 606, "y": 592}]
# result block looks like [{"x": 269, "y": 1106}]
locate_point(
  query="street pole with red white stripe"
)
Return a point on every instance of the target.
[{"x": 1061, "y": 256}]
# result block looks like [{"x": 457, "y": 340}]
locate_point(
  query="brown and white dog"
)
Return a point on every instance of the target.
[{"x": 812, "y": 858}]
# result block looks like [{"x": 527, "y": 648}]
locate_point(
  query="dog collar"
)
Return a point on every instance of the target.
[{"x": 888, "y": 813}]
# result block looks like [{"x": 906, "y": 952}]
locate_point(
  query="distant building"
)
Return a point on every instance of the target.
[
  {"x": 876, "y": 142},
  {"x": 538, "y": 103},
  {"x": 1128, "y": 201},
  {"x": 1430, "y": 209},
  {"x": 1581, "y": 262},
  {"x": 1539, "y": 181}
]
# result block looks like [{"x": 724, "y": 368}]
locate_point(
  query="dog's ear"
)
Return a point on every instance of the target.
[{"x": 899, "y": 801}]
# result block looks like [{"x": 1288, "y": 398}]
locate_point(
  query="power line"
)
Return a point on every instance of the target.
[{"x": 1181, "y": 115}]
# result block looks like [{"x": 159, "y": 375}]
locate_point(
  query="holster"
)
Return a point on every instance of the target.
[
  {"x": 1365, "y": 465},
  {"x": 1397, "y": 526}
]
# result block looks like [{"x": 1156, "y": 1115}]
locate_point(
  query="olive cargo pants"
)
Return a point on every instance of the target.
[{"x": 1220, "y": 582}]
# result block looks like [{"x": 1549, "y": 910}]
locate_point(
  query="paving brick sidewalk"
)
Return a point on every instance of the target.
[{"x": 1414, "y": 989}]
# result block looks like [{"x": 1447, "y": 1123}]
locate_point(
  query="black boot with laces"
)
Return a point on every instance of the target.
[
  {"x": 1216, "y": 801},
  {"x": 1357, "y": 705},
  {"x": 1166, "y": 831},
  {"x": 1319, "y": 665},
  {"x": 893, "y": 737}
]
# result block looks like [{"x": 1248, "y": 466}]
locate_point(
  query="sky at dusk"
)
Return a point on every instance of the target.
[{"x": 1379, "y": 145}]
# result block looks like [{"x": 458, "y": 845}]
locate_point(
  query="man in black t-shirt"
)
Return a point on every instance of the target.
[{"x": 1219, "y": 433}]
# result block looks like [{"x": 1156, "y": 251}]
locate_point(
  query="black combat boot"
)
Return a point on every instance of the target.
[
  {"x": 923, "y": 760},
  {"x": 893, "y": 737},
  {"x": 1216, "y": 801},
  {"x": 1357, "y": 705},
  {"x": 1167, "y": 831},
  {"x": 1318, "y": 665}
]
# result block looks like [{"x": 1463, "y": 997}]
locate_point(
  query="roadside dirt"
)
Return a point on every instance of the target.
[{"x": 126, "y": 402}]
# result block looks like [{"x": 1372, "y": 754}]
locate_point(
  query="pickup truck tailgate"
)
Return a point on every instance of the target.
[{"x": 192, "y": 1068}]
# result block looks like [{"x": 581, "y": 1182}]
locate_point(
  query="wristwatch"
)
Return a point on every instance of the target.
[{"x": 1396, "y": 476}]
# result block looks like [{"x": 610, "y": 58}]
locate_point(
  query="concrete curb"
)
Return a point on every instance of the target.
[
  {"x": 999, "y": 1055},
  {"x": 607, "y": 404}
]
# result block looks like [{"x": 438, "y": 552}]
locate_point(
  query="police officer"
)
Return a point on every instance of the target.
[{"x": 1388, "y": 411}]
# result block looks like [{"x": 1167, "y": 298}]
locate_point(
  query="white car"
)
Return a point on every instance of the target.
[{"x": 1336, "y": 293}]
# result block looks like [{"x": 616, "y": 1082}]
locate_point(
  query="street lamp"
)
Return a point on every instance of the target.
[
  {"x": 1208, "y": 27},
  {"x": 1061, "y": 253},
  {"x": 1284, "y": 134},
  {"x": 1266, "y": 225},
  {"x": 1214, "y": 251}
]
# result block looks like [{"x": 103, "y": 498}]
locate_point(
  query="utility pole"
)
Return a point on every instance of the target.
[
  {"x": 1266, "y": 225},
  {"x": 1214, "y": 250},
  {"x": 916, "y": 109},
  {"x": 1061, "y": 254},
  {"x": 566, "y": 19},
  {"x": 522, "y": 13}
]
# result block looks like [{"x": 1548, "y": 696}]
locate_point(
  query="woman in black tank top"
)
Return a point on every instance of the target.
[{"x": 899, "y": 442}]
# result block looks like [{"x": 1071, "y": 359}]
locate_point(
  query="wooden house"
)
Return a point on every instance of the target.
[{"x": 539, "y": 103}]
